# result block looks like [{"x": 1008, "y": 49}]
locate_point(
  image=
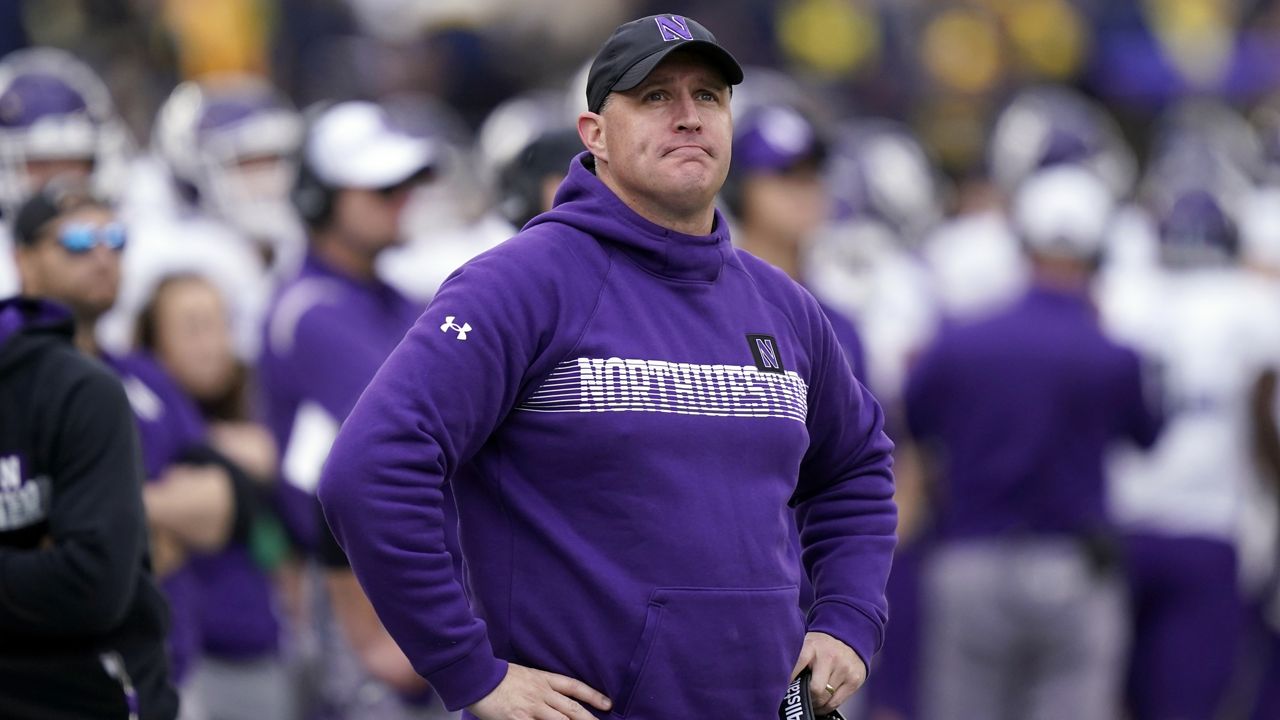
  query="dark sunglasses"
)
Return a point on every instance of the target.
[{"x": 80, "y": 238}]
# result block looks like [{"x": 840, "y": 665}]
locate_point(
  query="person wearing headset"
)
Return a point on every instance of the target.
[{"x": 327, "y": 331}]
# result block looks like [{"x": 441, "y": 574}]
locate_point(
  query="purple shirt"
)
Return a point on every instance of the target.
[
  {"x": 1021, "y": 407},
  {"x": 222, "y": 601},
  {"x": 238, "y": 618},
  {"x": 326, "y": 335},
  {"x": 624, "y": 413}
]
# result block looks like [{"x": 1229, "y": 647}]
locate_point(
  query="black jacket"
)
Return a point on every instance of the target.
[{"x": 82, "y": 624}]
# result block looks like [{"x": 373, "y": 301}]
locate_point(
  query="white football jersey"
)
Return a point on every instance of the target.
[
  {"x": 867, "y": 274},
  {"x": 1207, "y": 335}
]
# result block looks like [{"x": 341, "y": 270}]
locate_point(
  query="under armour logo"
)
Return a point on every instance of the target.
[
  {"x": 673, "y": 28},
  {"x": 462, "y": 329}
]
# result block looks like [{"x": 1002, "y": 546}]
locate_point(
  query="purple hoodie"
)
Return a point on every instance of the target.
[{"x": 624, "y": 413}]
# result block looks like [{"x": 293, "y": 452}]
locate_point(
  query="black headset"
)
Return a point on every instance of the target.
[
  {"x": 521, "y": 179},
  {"x": 312, "y": 197}
]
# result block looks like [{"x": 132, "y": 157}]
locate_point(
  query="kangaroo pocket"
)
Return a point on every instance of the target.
[{"x": 712, "y": 652}]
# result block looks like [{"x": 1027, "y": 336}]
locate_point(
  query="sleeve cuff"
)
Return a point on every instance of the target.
[
  {"x": 849, "y": 625},
  {"x": 470, "y": 679}
]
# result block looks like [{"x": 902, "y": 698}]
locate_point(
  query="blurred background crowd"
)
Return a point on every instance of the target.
[{"x": 881, "y": 147}]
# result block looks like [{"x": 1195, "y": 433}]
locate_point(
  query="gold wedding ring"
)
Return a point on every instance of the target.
[{"x": 830, "y": 690}]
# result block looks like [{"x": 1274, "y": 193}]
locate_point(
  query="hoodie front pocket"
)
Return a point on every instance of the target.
[{"x": 712, "y": 652}]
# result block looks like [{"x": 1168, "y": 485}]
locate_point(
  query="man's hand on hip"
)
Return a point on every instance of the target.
[
  {"x": 528, "y": 694},
  {"x": 838, "y": 672}
]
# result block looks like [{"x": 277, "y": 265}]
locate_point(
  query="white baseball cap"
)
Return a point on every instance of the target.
[
  {"x": 355, "y": 144},
  {"x": 1064, "y": 210}
]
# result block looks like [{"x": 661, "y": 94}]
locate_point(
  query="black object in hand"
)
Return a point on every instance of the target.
[{"x": 797, "y": 705}]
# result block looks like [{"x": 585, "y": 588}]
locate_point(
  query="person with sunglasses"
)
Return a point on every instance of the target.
[
  {"x": 327, "y": 331},
  {"x": 69, "y": 247}
]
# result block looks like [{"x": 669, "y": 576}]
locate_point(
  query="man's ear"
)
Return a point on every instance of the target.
[{"x": 591, "y": 131}]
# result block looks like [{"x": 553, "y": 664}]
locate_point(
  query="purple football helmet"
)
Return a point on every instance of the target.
[
  {"x": 1203, "y": 163},
  {"x": 1050, "y": 125},
  {"x": 1197, "y": 228},
  {"x": 879, "y": 170},
  {"x": 1192, "y": 193},
  {"x": 232, "y": 144},
  {"x": 56, "y": 115},
  {"x": 1209, "y": 126}
]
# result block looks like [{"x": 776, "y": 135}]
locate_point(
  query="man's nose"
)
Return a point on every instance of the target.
[
  {"x": 103, "y": 255},
  {"x": 687, "y": 117}
]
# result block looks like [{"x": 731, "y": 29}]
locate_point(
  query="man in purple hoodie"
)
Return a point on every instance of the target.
[{"x": 626, "y": 409}]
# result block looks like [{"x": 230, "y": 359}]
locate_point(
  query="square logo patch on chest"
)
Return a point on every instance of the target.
[{"x": 764, "y": 349}]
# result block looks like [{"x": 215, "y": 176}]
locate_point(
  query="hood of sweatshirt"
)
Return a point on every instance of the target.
[
  {"x": 585, "y": 203},
  {"x": 24, "y": 316}
]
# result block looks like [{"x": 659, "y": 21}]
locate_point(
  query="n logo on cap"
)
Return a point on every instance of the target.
[{"x": 673, "y": 28}]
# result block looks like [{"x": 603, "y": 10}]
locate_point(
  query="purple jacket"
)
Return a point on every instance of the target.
[{"x": 624, "y": 413}]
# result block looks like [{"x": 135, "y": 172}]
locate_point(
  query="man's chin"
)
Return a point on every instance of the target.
[
  {"x": 692, "y": 176},
  {"x": 93, "y": 308}
]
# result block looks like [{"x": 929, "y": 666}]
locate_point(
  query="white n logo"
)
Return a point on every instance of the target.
[
  {"x": 764, "y": 349},
  {"x": 768, "y": 353},
  {"x": 10, "y": 473}
]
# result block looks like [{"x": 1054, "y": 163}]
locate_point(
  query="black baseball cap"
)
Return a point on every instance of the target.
[
  {"x": 635, "y": 49},
  {"x": 57, "y": 197}
]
